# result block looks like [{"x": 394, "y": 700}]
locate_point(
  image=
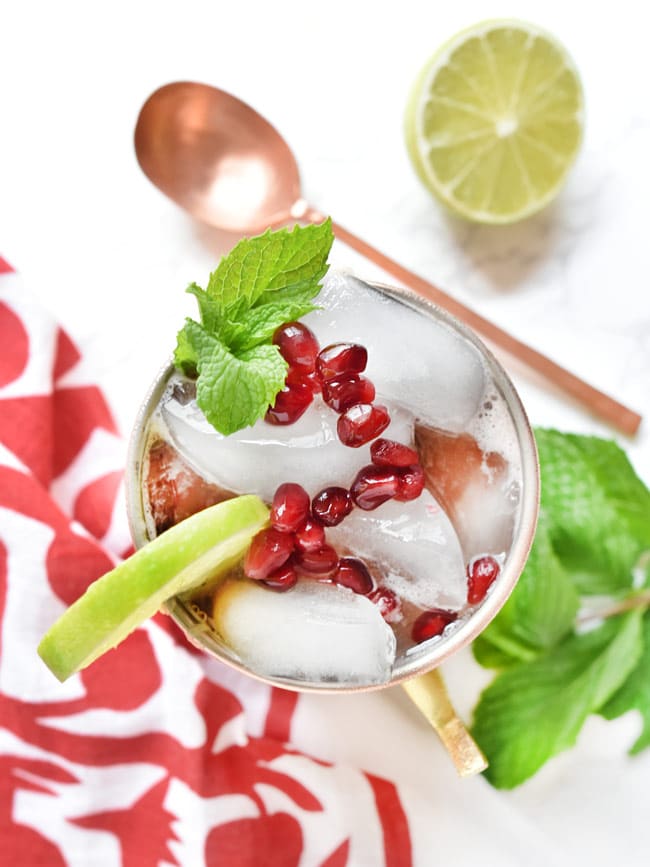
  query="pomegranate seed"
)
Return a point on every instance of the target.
[
  {"x": 411, "y": 483},
  {"x": 300, "y": 379},
  {"x": 353, "y": 573},
  {"x": 431, "y": 623},
  {"x": 290, "y": 507},
  {"x": 310, "y": 537},
  {"x": 297, "y": 378},
  {"x": 362, "y": 423},
  {"x": 341, "y": 358},
  {"x": 321, "y": 562},
  {"x": 268, "y": 551},
  {"x": 331, "y": 505},
  {"x": 373, "y": 486},
  {"x": 344, "y": 392},
  {"x": 481, "y": 573},
  {"x": 314, "y": 381},
  {"x": 388, "y": 453},
  {"x": 388, "y": 603},
  {"x": 290, "y": 403},
  {"x": 298, "y": 345},
  {"x": 283, "y": 578}
]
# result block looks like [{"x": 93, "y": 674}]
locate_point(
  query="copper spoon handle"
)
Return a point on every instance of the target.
[
  {"x": 619, "y": 416},
  {"x": 429, "y": 694}
]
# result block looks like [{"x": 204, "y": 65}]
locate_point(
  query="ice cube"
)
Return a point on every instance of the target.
[
  {"x": 259, "y": 458},
  {"x": 415, "y": 546},
  {"x": 479, "y": 490},
  {"x": 412, "y": 359},
  {"x": 485, "y": 516},
  {"x": 316, "y": 632},
  {"x": 174, "y": 491}
]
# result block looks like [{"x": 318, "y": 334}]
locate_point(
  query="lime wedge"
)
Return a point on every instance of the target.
[
  {"x": 494, "y": 121},
  {"x": 192, "y": 553}
]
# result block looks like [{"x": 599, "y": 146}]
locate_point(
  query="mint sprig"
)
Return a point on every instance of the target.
[
  {"x": 533, "y": 711},
  {"x": 261, "y": 284},
  {"x": 574, "y": 638}
]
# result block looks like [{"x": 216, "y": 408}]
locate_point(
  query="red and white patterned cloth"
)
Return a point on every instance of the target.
[{"x": 155, "y": 754}]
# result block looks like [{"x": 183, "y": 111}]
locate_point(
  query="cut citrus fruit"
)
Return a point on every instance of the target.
[
  {"x": 494, "y": 121},
  {"x": 188, "y": 555}
]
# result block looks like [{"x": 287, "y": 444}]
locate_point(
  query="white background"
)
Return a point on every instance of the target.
[{"x": 110, "y": 257}]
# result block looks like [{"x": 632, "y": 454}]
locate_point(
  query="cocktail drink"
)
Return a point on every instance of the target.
[{"x": 403, "y": 481}]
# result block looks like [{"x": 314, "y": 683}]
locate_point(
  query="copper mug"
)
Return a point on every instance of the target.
[{"x": 431, "y": 655}]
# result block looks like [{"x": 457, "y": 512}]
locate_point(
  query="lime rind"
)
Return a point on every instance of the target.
[
  {"x": 555, "y": 100},
  {"x": 185, "y": 557}
]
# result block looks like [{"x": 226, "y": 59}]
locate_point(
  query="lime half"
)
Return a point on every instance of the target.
[
  {"x": 494, "y": 121},
  {"x": 192, "y": 553}
]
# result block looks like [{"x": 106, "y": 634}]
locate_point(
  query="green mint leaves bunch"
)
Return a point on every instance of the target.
[
  {"x": 261, "y": 284},
  {"x": 574, "y": 637}
]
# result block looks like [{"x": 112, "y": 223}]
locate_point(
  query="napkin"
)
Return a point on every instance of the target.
[{"x": 155, "y": 754}]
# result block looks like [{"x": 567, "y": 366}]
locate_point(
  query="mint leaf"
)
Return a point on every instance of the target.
[
  {"x": 233, "y": 391},
  {"x": 635, "y": 693},
  {"x": 596, "y": 508},
  {"x": 287, "y": 294},
  {"x": 534, "y": 711},
  {"x": 539, "y": 613},
  {"x": 502, "y": 656},
  {"x": 210, "y": 309},
  {"x": 261, "y": 284},
  {"x": 291, "y": 261},
  {"x": 262, "y": 322},
  {"x": 186, "y": 357}
]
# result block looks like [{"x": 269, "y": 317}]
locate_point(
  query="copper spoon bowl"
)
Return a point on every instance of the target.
[
  {"x": 225, "y": 164},
  {"x": 217, "y": 158}
]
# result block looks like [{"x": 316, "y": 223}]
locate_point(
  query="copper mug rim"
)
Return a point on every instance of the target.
[{"x": 476, "y": 622}]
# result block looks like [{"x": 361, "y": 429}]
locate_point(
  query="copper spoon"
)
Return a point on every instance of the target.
[{"x": 225, "y": 164}]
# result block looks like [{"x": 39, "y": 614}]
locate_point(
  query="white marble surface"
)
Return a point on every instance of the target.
[{"x": 110, "y": 257}]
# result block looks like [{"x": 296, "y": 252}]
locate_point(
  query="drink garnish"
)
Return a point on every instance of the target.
[
  {"x": 260, "y": 285},
  {"x": 195, "y": 552}
]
